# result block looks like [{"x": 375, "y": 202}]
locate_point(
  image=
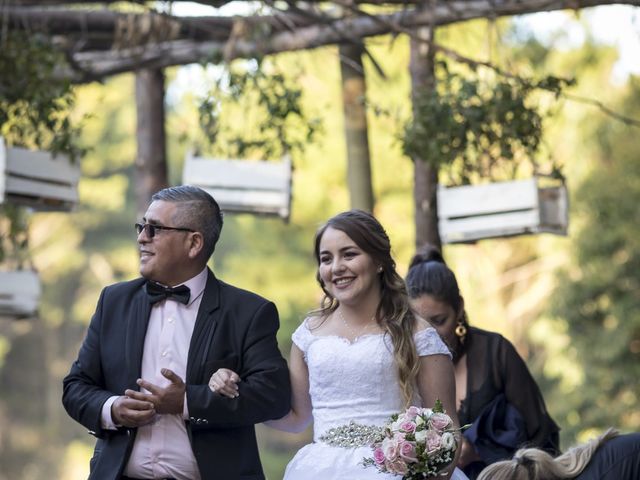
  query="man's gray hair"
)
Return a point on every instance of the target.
[{"x": 197, "y": 210}]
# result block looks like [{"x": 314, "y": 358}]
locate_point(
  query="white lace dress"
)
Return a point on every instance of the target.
[{"x": 351, "y": 382}]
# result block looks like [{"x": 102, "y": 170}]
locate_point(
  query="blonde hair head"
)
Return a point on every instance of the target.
[{"x": 535, "y": 464}]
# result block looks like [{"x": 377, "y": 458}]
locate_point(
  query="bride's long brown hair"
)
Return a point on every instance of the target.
[{"x": 393, "y": 314}]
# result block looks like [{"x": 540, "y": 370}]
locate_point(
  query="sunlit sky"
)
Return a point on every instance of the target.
[{"x": 616, "y": 25}]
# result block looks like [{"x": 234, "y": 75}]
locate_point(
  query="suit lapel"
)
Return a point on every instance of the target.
[
  {"x": 204, "y": 329},
  {"x": 136, "y": 333}
]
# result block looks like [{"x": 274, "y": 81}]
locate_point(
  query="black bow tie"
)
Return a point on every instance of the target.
[{"x": 157, "y": 292}]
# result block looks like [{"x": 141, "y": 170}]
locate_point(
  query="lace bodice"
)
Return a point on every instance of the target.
[{"x": 356, "y": 381}]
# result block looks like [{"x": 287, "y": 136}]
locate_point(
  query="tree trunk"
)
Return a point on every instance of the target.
[
  {"x": 425, "y": 174},
  {"x": 355, "y": 127},
  {"x": 151, "y": 160}
]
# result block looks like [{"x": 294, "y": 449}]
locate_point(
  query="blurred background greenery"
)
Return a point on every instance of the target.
[{"x": 571, "y": 305}]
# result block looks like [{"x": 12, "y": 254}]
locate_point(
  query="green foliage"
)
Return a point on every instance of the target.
[
  {"x": 35, "y": 112},
  {"x": 598, "y": 295},
  {"x": 576, "y": 363},
  {"x": 76, "y": 254},
  {"x": 13, "y": 236},
  {"x": 475, "y": 128},
  {"x": 35, "y": 105},
  {"x": 270, "y": 100}
]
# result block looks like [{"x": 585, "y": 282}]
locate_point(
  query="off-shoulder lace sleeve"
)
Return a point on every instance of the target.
[
  {"x": 302, "y": 337},
  {"x": 428, "y": 342}
]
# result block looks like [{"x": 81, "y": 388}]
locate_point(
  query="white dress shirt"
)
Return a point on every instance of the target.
[{"x": 162, "y": 448}]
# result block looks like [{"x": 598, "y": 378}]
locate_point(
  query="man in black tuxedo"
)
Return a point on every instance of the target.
[{"x": 140, "y": 382}]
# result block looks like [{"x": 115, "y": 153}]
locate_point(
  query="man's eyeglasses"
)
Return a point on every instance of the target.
[{"x": 151, "y": 230}]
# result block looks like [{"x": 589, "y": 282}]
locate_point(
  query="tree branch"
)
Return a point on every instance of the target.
[
  {"x": 99, "y": 64},
  {"x": 91, "y": 66},
  {"x": 603, "y": 108}
]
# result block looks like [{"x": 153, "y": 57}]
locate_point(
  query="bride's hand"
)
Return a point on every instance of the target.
[
  {"x": 225, "y": 382},
  {"x": 468, "y": 454}
]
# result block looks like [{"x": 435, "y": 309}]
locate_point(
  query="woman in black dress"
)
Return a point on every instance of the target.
[{"x": 495, "y": 391}]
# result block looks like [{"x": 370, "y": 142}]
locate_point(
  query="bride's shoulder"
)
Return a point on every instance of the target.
[
  {"x": 421, "y": 326},
  {"x": 303, "y": 335},
  {"x": 427, "y": 339}
]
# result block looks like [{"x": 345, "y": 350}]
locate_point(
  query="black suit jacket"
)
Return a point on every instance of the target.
[{"x": 234, "y": 329}]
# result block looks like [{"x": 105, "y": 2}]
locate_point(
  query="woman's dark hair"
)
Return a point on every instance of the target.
[
  {"x": 393, "y": 314},
  {"x": 429, "y": 275}
]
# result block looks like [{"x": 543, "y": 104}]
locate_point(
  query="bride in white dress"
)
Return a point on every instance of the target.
[{"x": 361, "y": 357}]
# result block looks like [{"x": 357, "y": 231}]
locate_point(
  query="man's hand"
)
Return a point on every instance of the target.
[
  {"x": 169, "y": 399},
  {"x": 130, "y": 412},
  {"x": 224, "y": 381}
]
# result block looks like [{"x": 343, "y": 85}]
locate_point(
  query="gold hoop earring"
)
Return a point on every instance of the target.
[{"x": 461, "y": 330}]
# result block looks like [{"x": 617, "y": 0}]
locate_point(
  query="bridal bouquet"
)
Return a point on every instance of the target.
[{"x": 416, "y": 444}]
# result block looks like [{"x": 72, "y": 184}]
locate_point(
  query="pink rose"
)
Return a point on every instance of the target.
[
  {"x": 413, "y": 412},
  {"x": 398, "y": 467},
  {"x": 408, "y": 451},
  {"x": 408, "y": 427},
  {"x": 390, "y": 448},
  {"x": 440, "y": 421},
  {"x": 432, "y": 441},
  {"x": 378, "y": 456}
]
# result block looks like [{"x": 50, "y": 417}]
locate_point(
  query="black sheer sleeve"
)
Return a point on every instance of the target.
[
  {"x": 495, "y": 371},
  {"x": 521, "y": 391}
]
